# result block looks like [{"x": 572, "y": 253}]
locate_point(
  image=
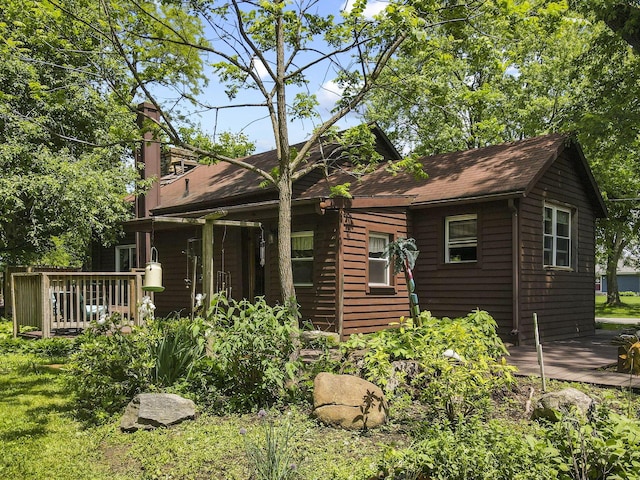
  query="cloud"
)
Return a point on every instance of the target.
[
  {"x": 328, "y": 94},
  {"x": 373, "y": 7},
  {"x": 259, "y": 68}
]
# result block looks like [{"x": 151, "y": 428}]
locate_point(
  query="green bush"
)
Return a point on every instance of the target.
[
  {"x": 177, "y": 346},
  {"x": 112, "y": 366},
  {"x": 47, "y": 349},
  {"x": 109, "y": 369},
  {"x": 628, "y": 294},
  {"x": 250, "y": 347},
  {"x": 459, "y": 362},
  {"x": 58, "y": 349},
  {"x": 237, "y": 360},
  {"x": 607, "y": 446},
  {"x": 474, "y": 450}
]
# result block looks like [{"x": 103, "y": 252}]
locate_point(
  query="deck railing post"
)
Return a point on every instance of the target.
[
  {"x": 12, "y": 293},
  {"x": 45, "y": 305}
]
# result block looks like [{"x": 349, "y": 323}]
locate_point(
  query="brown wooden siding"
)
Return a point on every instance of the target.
[
  {"x": 103, "y": 259},
  {"x": 317, "y": 302},
  {"x": 452, "y": 290},
  {"x": 370, "y": 309},
  {"x": 563, "y": 300},
  {"x": 176, "y": 297}
]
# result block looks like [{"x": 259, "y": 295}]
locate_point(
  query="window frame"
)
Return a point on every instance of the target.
[
  {"x": 303, "y": 233},
  {"x": 132, "y": 256},
  {"x": 554, "y": 236},
  {"x": 447, "y": 242},
  {"x": 388, "y": 237}
]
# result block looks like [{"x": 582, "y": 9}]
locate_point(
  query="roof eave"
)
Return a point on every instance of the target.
[
  {"x": 469, "y": 199},
  {"x": 367, "y": 202}
]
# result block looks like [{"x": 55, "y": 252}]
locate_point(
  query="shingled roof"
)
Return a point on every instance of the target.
[
  {"x": 500, "y": 171},
  {"x": 223, "y": 184},
  {"x": 505, "y": 170}
]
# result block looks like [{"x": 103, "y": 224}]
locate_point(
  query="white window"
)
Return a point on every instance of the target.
[
  {"x": 302, "y": 258},
  {"x": 557, "y": 236},
  {"x": 461, "y": 239},
  {"x": 378, "y": 263},
  {"x": 125, "y": 257}
]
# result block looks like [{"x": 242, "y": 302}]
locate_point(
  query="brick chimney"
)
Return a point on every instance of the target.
[{"x": 149, "y": 155}]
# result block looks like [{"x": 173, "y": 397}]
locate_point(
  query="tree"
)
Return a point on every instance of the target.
[
  {"x": 610, "y": 130},
  {"x": 500, "y": 77},
  {"x": 621, "y": 17},
  {"x": 523, "y": 69},
  {"x": 227, "y": 143},
  {"x": 270, "y": 50},
  {"x": 606, "y": 116},
  {"x": 63, "y": 139}
]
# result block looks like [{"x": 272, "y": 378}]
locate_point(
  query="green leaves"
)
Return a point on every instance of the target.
[
  {"x": 499, "y": 75},
  {"x": 454, "y": 389},
  {"x": 63, "y": 138},
  {"x": 250, "y": 344}
]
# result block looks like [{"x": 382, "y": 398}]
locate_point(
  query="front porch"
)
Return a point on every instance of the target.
[{"x": 53, "y": 303}]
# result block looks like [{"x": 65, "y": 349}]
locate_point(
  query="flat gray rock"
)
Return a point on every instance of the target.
[
  {"x": 152, "y": 410},
  {"x": 553, "y": 405}
]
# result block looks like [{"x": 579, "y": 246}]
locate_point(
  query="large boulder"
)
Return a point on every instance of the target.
[
  {"x": 554, "y": 404},
  {"x": 348, "y": 402},
  {"x": 152, "y": 410}
]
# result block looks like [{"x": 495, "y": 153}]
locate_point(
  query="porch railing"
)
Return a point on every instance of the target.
[{"x": 52, "y": 302}]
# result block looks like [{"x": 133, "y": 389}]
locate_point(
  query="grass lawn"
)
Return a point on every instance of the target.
[
  {"x": 41, "y": 437},
  {"x": 41, "y": 440},
  {"x": 630, "y": 308}
]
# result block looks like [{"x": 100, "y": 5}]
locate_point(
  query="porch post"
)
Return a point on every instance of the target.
[
  {"x": 207, "y": 258},
  {"x": 208, "y": 284}
]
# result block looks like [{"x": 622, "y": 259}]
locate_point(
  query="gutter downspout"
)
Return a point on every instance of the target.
[{"x": 515, "y": 274}]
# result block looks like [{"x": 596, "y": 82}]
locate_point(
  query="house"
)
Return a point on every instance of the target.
[
  {"x": 628, "y": 277},
  {"x": 507, "y": 228}
]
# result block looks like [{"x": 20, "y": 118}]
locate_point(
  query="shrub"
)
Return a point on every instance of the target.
[
  {"x": 111, "y": 366},
  {"x": 58, "y": 349},
  {"x": 109, "y": 369},
  {"x": 459, "y": 362},
  {"x": 48, "y": 349},
  {"x": 178, "y": 345},
  {"x": 251, "y": 345},
  {"x": 492, "y": 450},
  {"x": 608, "y": 446}
]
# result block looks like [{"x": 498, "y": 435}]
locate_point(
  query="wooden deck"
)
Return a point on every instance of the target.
[
  {"x": 59, "y": 303},
  {"x": 583, "y": 359}
]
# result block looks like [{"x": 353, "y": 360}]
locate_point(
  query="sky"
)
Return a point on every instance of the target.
[{"x": 252, "y": 121}]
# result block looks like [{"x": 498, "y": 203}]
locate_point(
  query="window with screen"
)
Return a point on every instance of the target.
[
  {"x": 378, "y": 262},
  {"x": 302, "y": 258},
  {"x": 461, "y": 240}
]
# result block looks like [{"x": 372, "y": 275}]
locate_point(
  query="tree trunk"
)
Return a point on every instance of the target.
[
  {"x": 613, "y": 295},
  {"x": 285, "y": 188},
  {"x": 284, "y": 240}
]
